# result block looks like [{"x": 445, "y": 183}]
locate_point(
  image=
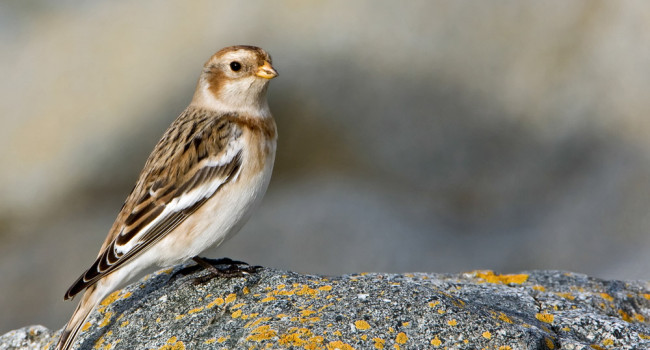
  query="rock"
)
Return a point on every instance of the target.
[
  {"x": 28, "y": 338},
  {"x": 280, "y": 309}
]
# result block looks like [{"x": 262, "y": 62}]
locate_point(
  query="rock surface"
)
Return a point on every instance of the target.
[{"x": 274, "y": 309}]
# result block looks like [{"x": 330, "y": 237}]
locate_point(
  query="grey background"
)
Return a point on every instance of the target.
[{"x": 437, "y": 136}]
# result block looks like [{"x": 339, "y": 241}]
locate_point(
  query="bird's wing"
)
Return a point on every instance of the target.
[{"x": 189, "y": 165}]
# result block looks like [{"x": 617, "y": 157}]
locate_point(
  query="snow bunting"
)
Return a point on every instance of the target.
[{"x": 200, "y": 183}]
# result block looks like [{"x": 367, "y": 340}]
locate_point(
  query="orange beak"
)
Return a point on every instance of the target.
[{"x": 266, "y": 71}]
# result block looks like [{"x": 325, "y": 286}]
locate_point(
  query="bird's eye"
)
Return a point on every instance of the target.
[{"x": 235, "y": 66}]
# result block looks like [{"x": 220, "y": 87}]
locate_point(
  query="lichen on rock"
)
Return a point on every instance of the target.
[{"x": 280, "y": 310}]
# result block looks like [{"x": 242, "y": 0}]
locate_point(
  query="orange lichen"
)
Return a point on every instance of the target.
[
  {"x": 487, "y": 335},
  {"x": 231, "y": 298},
  {"x": 566, "y": 296},
  {"x": 503, "y": 317},
  {"x": 339, "y": 345},
  {"x": 215, "y": 302},
  {"x": 491, "y": 277},
  {"x": 256, "y": 322},
  {"x": 625, "y": 316},
  {"x": 307, "y": 312},
  {"x": 173, "y": 344},
  {"x": 401, "y": 338},
  {"x": 544, "y": 317},
  {"x": 195, "y": 310},
  {"x": 361, "y": 325},
  {"x": 549, "y": 343},
  {"x": 606, "y": 297},
  {"x": 436, "y": 341},
  {"x": 106, "y": 320},
  {"x": 262, "y": 333}
]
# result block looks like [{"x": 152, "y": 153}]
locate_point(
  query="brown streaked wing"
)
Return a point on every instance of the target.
[
  {"x": 200, "y": 133},
  {"x": 111, "y": 259}
]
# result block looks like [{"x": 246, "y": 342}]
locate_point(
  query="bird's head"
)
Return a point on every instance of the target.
[{"x": 235, "y": 80}]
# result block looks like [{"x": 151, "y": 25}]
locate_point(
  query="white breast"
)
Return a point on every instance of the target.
[{"x": 222, "y": 215}]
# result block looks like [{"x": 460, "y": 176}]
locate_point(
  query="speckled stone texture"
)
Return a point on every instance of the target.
[{"x": 274, "y": 309}]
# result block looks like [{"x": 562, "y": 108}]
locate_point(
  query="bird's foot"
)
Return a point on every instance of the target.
[{"x": 233, "y": 268}]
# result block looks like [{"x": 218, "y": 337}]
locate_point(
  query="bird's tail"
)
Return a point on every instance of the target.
[{"x": 91, "y": 297}]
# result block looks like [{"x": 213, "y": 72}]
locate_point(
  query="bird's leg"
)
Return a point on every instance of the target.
[{"x": 234, "y": 269}]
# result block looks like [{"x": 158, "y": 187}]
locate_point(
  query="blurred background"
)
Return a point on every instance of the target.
[{"x": 439, "y": 136}]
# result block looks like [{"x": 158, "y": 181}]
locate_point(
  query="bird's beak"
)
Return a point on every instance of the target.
[{"x": 266, "y": 71}]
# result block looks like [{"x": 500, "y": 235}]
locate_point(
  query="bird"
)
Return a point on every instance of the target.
[{"x": 198, "y": 186}]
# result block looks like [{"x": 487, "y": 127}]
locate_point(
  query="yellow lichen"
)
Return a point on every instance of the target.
[
  {"x": 106, "y": 320},
  {"x": 215, "y": 302},
  {"x": 307, "y": 312},
  {"x": 256, "y": 322},
  {"x": 173, "y": 344},
  {"x": 230, "y": 298},
  {"x": 544, "y": 317},
  {"x": 503, "y": 317},
  {"x": 606, "y": 297},
  {"x": 379, "y": 343},
  {"x": 566, "y": 296},
  {"x": 361, "y": 325},
  {"x": 401, "y": 338},
  {"x": 262, "y": 333},
  {"x": 195, "y": 310},
  {"x": 436, "y": 341},
  {"x": 237, "y": 306},
  {"x": 339, "y": 345},
  {"x": 625, "y": 316},
  {"x": 549, "y": 343},
  {"x": 487, "y": 335},
  {"x": 491, "y": 277}
]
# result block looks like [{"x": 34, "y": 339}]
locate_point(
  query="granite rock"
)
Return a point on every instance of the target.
[{"x": 273, "y": 309}]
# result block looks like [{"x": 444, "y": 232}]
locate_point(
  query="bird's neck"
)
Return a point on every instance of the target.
[{"x": 229, "y": 101}]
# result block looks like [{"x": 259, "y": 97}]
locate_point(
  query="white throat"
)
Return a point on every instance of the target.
[{"x": 241, "y": 96}]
